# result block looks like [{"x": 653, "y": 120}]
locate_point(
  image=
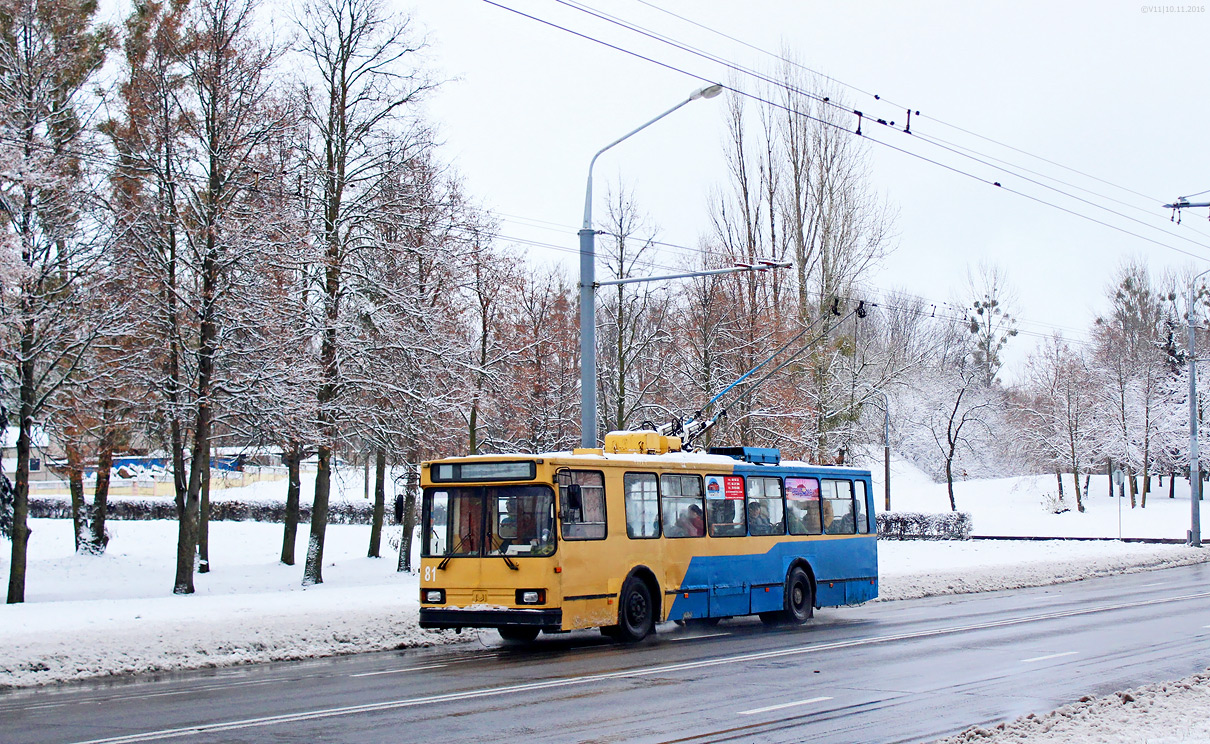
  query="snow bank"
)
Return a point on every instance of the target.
[
  {"x": 908, "y": 570},
  {"x": 1163, "y": 713},
  {"x": 88, "y": 616}
]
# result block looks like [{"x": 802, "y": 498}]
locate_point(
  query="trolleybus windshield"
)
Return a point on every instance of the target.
[{"x": 489, "y": 521}]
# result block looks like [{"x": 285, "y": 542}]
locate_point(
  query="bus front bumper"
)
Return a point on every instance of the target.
[{"x": 443, "y": 617}]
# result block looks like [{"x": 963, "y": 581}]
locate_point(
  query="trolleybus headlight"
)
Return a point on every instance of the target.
[
  {"x": 531, "y": 596},
  {"x": 432, "y": 596}
]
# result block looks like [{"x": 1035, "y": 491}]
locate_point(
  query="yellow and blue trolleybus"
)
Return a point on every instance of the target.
[{"x": 638, "y": 532}]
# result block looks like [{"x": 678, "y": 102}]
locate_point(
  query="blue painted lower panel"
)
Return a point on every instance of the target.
[
  {"x": 845, "y": 570},
  {"x": 691, "y": 604},
  {"x": 767, "y": 598}
]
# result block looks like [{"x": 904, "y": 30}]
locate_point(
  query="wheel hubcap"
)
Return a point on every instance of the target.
[{"x": 637, "y": 609}]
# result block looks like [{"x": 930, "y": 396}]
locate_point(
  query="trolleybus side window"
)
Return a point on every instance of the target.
[
  {"x": 681, "y": 504},
  {"x": 838, "y": 508},
  {"x": 802, "y": 506},
  {"x": 765, "y": 513},
  {"x": 583, "y": 503},
  {"x": 436, "y": 527},
  {"x": 642, "y": 504},
  {"x": 725, "y": 505},
  {"x": 863, "y": 522}
]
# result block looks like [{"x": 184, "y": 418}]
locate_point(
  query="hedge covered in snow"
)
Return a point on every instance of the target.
[
  {"x": 343, "y": 512},
  {"x": 919, "y": 526}
]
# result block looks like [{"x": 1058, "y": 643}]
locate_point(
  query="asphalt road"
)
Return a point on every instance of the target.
[{"x": 888, "y": 672}]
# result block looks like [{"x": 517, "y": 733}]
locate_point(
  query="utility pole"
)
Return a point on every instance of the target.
[
  {"x": 886, "y": 444},
  {"x": 1195, "y": 471}
]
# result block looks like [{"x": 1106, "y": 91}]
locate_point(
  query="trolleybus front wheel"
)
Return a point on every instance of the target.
[
  {"x": 518, "y": 633},
  {"x": 799, "y": 603},
  {"x": 636, "y": 618}
]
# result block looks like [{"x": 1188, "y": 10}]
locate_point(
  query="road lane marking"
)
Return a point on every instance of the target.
[
  {"x": 1049, "y": 656},
  {"x": 694, "y": 638},
  {"x": 1158, "y": 583},
  {"x": 398, "y": 671},
  {"x": 768, "y": 708},
  {"x": 388, "y": 705}
]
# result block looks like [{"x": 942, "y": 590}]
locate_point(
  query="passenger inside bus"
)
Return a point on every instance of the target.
[
  {"x": 758, "y": 520},
  {"x": 725, "y": 519},
  {"x": 692, "y": 523}
]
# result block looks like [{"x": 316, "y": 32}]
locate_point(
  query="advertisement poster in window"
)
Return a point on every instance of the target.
[
  {"x": 802, "y": 489},
  {"x": 734, "y": 487},
  {"x": 729, "y": 487}
]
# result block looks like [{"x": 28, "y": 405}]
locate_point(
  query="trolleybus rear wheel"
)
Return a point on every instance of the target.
[
  {"x": 798, "y": 604},
  {"x": 518, "y": 633}
]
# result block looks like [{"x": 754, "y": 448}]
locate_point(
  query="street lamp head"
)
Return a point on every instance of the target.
[{"x": 710, "y": 91}]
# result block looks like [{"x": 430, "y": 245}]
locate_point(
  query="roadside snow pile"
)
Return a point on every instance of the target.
[
  {"x": 98, "y": 638},
  {"x": 908, "y": 570},
  {"x": 1163, "y": 713}
]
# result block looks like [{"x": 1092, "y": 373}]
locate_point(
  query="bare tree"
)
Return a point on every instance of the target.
[
  {"x": 1131, "y": 368},
  {"x": 361, "y": 60},
  {"x": 148, "y": 134},
  {"x": 539, "y": 397},
  {"x": 1058, "y": 408},
  {"x": 634, "y": 337},
  {"x": 988, "y": 318},
  {"x": 49, "y": 51}
]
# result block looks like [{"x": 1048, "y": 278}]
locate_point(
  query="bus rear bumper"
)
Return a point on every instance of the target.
[{"x": 441, "y": 617}]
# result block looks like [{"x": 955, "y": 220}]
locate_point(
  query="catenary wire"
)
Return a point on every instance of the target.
[
  {"x": 879, "y": 97},
  {"x": 883, "y": 143},
  {"x": 936, "y": 141}
]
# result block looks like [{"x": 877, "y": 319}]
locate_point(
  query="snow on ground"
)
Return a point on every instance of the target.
[
  {"x": 1164, "y": 713},
  {"x": 911, "y": 569},
  {"x": 89, "y": 616}
]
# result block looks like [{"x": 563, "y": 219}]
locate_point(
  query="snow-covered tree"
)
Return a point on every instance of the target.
[
  {"x": 49, "y": 232},
  {"x": 1133, "y": 372},
  {"x": 989, "y": 319},
  {"x": 1057, "y": 409},
  {"x": 361, "y": 79}
]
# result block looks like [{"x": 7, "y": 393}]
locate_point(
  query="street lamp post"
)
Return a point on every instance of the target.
[
  {"x": 588, "y": 311},
  {"x": 1195, "y": 481}
]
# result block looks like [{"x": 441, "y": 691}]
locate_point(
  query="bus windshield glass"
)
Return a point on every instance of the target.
[{"x": 489, "y": 520}]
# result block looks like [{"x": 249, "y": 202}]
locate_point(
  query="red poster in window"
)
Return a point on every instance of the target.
[{"x": 733, "y": 486}]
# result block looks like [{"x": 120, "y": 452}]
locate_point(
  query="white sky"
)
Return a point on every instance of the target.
[{"x": 1101, "y": 87}]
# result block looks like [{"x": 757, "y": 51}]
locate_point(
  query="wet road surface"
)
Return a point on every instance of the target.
[{"x": 911, "y": 670}]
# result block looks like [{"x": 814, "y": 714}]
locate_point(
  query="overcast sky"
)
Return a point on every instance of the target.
[{"x": 1104, "y": 88}]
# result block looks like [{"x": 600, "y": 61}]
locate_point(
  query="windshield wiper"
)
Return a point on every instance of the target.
[
  {"x": 454, "y": 549},
  {"x": 509, "y": 562}
]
